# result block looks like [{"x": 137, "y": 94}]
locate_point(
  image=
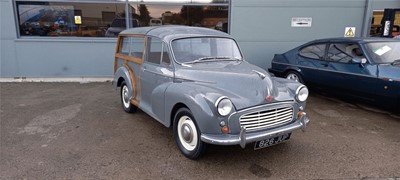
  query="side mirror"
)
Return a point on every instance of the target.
[{"x": 360, "y": 61}]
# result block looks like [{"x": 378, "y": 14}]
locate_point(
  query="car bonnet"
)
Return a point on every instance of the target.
[{"x": 245, "y": 84}]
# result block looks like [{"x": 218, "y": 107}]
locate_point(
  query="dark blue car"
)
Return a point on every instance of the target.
[{"x": 366, "y": 68}]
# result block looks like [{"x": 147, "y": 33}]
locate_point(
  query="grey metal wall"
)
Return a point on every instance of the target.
[
  {"x": 262, "y": 27},
  {"x": 41, "y": 57}
]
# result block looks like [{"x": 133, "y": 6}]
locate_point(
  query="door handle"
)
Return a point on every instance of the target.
[{"x": 325, "y": 64}]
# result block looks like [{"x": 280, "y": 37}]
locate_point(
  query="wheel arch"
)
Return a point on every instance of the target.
[
  {"x": 200, "y": 106},
  {"x": 174, "y": 110},
  {"x": 295, "y": 70},
  {"x": 124, "y": 74},
  {"x": 292, "y": 68}
]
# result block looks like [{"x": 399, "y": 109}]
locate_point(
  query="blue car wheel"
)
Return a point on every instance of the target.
[{"x": 295, "y": 76}]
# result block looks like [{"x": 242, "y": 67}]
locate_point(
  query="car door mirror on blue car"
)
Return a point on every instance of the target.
[{"x": 357, "y": 60}]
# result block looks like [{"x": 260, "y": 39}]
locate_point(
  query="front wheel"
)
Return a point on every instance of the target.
[
  {"x": 187, "y": 134},
  {"x": 295, "y": 76},
  {"x": 125, "y": 101}
]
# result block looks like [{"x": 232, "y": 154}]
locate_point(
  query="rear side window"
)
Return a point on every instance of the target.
[
  {"x": 132, "y": 46},
  {"x": 125, "y": 45},
  {"x": 315, "y": 51}
]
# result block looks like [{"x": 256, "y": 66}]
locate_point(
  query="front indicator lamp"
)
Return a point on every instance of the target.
[{"x": 225, "y": 129}]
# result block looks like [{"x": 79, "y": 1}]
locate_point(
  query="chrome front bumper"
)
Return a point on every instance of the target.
[{"x": 243, "y": 138}]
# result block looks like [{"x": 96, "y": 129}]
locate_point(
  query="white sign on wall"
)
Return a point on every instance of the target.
[
  {"x": 350, "y": 32},
  {"x": 301, "y": 21}
]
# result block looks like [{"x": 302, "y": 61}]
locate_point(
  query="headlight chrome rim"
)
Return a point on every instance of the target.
[
  {"x": 227, "y": 106},
  {"x": 302, "y": 93}
]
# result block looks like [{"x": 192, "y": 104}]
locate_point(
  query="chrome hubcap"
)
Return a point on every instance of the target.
[
  {"x": 292, "y": 77},
  {"x": 187, "y": 133},
  {"x": 125, "y": 97}
]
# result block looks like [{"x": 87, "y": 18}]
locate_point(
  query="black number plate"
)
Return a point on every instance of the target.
[{"x": 271, "y": 141}]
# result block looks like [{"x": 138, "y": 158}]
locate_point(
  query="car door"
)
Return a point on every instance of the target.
[
  {"x": 157, "y": 75},
  {"x": 345, "y": 71},
  {"x": 310, "y": 58}
]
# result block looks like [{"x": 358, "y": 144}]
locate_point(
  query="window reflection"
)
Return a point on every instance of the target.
[
  {"x": 215, "y": 17},
  {"x": 66, "y": 19},
  {"x": 109, "y": 19},
  {"x": 178, "y": 1}
]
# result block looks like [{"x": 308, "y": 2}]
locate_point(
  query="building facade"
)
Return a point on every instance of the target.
[{"x": 75, "y": 39}]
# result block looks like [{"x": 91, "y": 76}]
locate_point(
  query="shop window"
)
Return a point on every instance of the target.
[
  {"x": 107, "y": 16},
  {"x": 376, "y": 29},
  {"x": 215, "y": 17},
  {"x": 67, "y": 18},
  {"x": 84, "y": 19}
]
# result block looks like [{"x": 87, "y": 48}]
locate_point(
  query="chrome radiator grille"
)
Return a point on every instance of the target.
[{"x": 266, "y": 119}]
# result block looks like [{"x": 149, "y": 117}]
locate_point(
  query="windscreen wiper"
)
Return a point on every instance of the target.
[
  {"x": 212, "y": 58},
  {"x": 218, "y": 57}
]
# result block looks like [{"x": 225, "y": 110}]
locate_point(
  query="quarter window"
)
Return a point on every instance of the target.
[{"x": 316, "y": 51}]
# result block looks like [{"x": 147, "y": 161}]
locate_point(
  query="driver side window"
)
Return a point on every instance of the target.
[
  {"x": 157, "y": 52},
  {"x": 344, "y": 52}
]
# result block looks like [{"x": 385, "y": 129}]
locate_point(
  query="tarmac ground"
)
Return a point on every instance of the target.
[{"x": 80, "y": 131}]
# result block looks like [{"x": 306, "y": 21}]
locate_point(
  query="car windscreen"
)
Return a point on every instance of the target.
[
  {"x": 189, "y": 50},
  {"x": 383, "y": 52}
]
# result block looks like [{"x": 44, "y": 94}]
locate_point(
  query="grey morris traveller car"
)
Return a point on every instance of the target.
[{"x": 196, "y": 81}]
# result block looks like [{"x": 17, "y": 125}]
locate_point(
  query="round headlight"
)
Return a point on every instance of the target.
[
  {"x": 224, "y": 106},
  {"x": 302, "y": 93}
]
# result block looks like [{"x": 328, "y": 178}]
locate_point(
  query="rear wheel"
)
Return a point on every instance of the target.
[
  {"x": 187, "y": 134},
  {"x": 125, "y": 101},
  {"x": 295, "y": 76}
]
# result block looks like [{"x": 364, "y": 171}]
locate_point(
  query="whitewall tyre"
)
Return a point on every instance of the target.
[
  {"x": 187, "y": 134},
  {"x": 125, "y": 101}
]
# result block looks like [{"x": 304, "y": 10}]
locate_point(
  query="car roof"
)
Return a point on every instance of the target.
[{"x": 170, "y": 32}]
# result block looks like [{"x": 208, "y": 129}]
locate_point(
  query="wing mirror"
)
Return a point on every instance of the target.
[{"x": 360, "y": 61}]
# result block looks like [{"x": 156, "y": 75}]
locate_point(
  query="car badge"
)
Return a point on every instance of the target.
[{"x": 269, "y": 98}]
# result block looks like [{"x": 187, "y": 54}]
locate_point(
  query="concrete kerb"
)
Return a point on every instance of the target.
[{"x": 58, "y": 79}]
